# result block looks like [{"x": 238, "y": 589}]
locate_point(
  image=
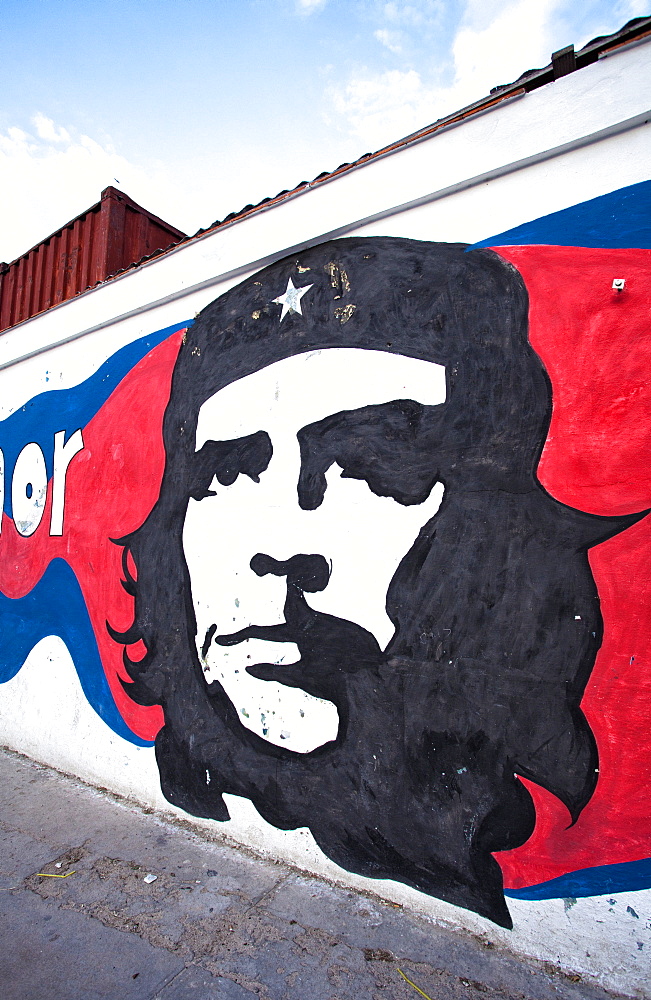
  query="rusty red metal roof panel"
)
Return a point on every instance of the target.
[{"x": 101, "y": 241}]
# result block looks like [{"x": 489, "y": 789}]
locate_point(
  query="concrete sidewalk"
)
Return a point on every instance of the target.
[{"x": 216, "y": 924}]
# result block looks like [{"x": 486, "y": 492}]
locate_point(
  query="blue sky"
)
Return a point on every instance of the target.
[{"x": 198, "y": 107}]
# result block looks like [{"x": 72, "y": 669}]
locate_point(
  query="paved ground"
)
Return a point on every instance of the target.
[{"x": 216, "y": 924}]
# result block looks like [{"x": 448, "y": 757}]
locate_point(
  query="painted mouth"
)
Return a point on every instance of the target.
[
  {"x": 280, "y": 634},
  {"x": 271, "y": 633},
  {"x": 304, "y": 573}
]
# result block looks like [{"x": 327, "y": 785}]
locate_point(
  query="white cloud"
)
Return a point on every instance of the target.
[
  {"x": 519, "y": 37},
  {"x": 309, "y": 6},
  {"x": 405, "y": 26},
  {"x": 46, "y": 129},
  {"x": 382, "y": 106},
  {"x": 629, "y": 9},
  {"x": 390, "y": 39},
  {"x": 411, "y": 15},
  {"x": 495, "y": 43},
  {"x": 54, "y": 174}
]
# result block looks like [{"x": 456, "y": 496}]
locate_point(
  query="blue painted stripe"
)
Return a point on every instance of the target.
[
  {"x": 56, "y": 606},
  {"x": 629, "y": 876},
  {"x": 616, "y": 220},
  {"x": 69, "y": 409}
]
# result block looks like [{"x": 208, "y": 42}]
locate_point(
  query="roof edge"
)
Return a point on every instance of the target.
[
  {"x": 633, "y": 31},
  {"x": 560, "y": 65}
]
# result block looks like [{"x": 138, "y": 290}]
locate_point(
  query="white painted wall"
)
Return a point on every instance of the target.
[{"x": 546, "y": 152}]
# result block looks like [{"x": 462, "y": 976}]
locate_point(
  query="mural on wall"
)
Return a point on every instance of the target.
[{"x": 332, "y": 548}]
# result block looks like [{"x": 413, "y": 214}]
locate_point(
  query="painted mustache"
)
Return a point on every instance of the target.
[
  {"x": 305, "y": 573},
  {"x": 330, "y": 647}
]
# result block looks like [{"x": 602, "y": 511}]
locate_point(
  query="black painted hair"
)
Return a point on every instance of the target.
[{"x": 496, "y": 614}]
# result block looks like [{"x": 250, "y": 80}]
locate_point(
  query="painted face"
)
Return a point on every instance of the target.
[{"x": 284, "y": 425}]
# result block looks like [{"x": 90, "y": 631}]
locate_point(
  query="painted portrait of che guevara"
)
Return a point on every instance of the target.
[{"x": 444, "y": 614}]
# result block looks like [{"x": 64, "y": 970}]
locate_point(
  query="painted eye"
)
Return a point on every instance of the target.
[
  {"x": 389, "y": 446},
  {"x": 226, "y": 460}
]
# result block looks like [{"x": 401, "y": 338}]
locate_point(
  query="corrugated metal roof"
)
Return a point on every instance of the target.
[{"x": 562, "y": 62}]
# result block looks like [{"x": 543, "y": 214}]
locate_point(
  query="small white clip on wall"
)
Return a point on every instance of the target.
[{"x": 618, "y": 284}]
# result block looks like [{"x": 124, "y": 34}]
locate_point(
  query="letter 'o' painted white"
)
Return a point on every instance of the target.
[{"x": 29, "y": 489}]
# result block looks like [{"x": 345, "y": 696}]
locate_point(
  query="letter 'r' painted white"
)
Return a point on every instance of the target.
[{"x": 63, "y": 455}]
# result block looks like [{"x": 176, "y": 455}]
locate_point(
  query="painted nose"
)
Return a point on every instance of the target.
[{"x": 306, "y": 572}]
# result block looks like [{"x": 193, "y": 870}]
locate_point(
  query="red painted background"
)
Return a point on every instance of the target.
[{"x": 596, "y": 346}]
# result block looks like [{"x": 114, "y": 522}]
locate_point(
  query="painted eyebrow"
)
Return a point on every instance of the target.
[
  {"x": 391, "y": 446},
  {"x": 226, "y": 460}
]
